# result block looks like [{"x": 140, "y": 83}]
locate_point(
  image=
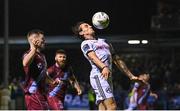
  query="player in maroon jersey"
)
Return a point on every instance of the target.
[
  {"x": 34, "y": 64},
  {"x": 60, "y": 74},
  {"x": 140, "y": 92}
]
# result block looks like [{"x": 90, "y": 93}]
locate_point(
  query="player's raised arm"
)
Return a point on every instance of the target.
[
  {"x": 121, "y": 65},
  {"x": 73, "y": 81},
  {"x": 33, "y": 48},
  {"x": 28, "y": 58}
]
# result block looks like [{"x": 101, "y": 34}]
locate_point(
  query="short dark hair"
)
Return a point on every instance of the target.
[
  {"x": 76, "y": 29},
  {"x": 35, "y": 31},
  {"x": 61, "y": 51}
]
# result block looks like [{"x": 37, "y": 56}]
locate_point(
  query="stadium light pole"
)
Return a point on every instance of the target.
[{"x": 6, "y": 42}]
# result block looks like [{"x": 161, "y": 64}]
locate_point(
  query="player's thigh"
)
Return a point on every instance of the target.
[
  {"x": 33, "y": 102},
  {"x": 101, "y": 106},
  {"x": 110, "y": 103}
]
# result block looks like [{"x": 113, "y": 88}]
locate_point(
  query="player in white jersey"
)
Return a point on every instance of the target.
[{"x": 100, "y": 54}]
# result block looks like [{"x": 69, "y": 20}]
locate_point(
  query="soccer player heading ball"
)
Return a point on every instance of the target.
[{"x": 100, "y": 54}]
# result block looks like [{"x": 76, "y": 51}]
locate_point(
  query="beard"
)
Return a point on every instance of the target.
[{"x": 62, "y": 64}]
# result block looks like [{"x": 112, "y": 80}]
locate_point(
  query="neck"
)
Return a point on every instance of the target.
[
  {"x": 89, "y": 37},
  {"x": 57, "y": 64}
]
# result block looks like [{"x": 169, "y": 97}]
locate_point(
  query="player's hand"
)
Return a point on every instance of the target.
[
  {"x": 105, "y": 73},
  {"x": 134, "y": 78},
  {"x": 79, "y": 91},
  {"x": 35, "y": 43},
  {"x": 57, "y": 81},
  {"x": 155, "y": 95}
]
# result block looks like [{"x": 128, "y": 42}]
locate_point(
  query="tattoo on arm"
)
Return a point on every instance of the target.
[
  {"x": 73, "y": 83},
  {"x": 122, "y": 66}
]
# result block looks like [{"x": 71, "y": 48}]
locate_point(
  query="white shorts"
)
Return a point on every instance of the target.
[{"x": 102, "y": 87}]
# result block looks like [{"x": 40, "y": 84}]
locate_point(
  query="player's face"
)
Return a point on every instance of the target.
[
  {"x": 87, "y": 31},
  {"x": 39, "y": 38},
  {"x": 60, "y": 59},
  {"x": 41, "y": 41}
]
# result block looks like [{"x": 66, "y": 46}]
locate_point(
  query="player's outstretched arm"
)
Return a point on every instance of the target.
[
  {"x": 122, "y": 66},
  {"x": 73, "y": 81},
  {"x": 29, "y": 56}
]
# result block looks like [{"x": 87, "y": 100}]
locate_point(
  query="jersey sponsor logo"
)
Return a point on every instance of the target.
[
  {"x": 102, "y": 47},
  {"x": 86, "y": 47}
]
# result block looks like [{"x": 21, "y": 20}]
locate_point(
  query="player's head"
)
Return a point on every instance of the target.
[
  {"x": 83, "y": 30},
  {"x": 144, "y": 76},
  {"x": 61, "y": 57},
  {"x": 36, "y": 34}
]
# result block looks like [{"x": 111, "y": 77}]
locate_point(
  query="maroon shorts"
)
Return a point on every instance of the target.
[
  {"x": 143, "y": 106},
  {"x": 55, "y": 103},
  {"x": 36, "y": 102}
]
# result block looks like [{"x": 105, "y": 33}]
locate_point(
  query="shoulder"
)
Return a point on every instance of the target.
[
  {"x": 87, "y": 45},
  {"x": 104, "y": 40},
  {"x": 51, "y": 68}
]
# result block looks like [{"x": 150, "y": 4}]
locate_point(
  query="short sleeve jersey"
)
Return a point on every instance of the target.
[
  {"x": 63, "y": 74},
  {"x": 101, "y": 49},
  {"x": 35, "y": 72}
]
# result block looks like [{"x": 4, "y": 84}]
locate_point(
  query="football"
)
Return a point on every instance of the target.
[{"x": 100, "y": 20}]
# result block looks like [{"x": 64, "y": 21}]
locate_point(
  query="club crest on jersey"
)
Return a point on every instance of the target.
[
  {"x": 39, "y": 65},
  {"x": 108, "y": 90}
]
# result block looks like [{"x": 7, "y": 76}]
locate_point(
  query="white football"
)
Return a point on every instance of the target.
[{"x": 100, "y": 20}]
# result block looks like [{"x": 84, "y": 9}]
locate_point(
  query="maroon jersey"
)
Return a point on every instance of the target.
[
  {"x": 143, "y": 93},
  {"x": 63, "y": 74},
  {"x": 35, "y": 74}
]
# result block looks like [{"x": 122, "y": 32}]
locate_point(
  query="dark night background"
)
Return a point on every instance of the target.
[
  {"x": 57, "y": 17},
  {"x": 157, "y": 21}
]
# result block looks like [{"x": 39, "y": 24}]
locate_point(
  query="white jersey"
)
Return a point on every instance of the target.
[
  {"x": 102, "y": 50},
  {"x": 102, "y": 87}
]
